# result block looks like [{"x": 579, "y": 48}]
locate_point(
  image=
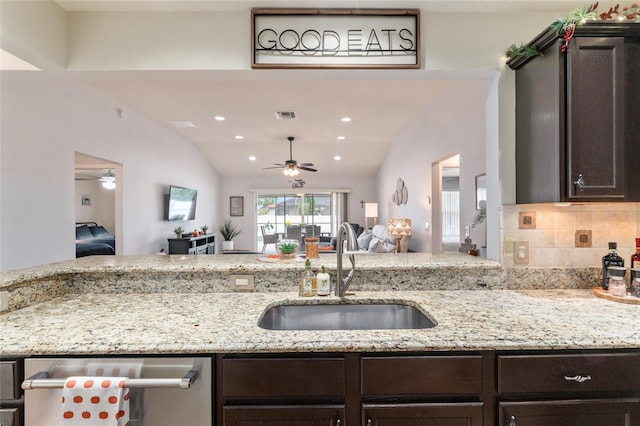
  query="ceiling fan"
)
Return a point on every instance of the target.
[{"x": 292, "y": 167}]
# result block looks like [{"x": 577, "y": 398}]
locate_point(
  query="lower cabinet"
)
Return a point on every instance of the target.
[
  {"x": 284, "y": 415},
  {"x": 430, "y": 414},
  {"x": 598, "y": 412}
]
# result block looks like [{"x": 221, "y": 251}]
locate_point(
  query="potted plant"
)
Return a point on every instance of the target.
[
  {"x": 178, "y": 231},
  {"x": 228, "y": 231},
  {"x": 205, "y": 228},
  {"x": 287, "y": 248}
]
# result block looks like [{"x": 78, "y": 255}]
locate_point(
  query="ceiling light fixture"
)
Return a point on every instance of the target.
[
  {"x": 239, "y": 137},
  {"x": 252, "y": 157},
  {"x": 108, "y": 180},
  {"x": 345, "y": 119},
  {"x": 218, "y": 118},
  {"x": 291, "y": 171},
  {"x": 337, "y": 158},
  {"x": 340, "y": 138}
]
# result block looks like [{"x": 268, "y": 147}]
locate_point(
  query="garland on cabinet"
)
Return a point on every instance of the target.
[{"x": 578, "y": 17}]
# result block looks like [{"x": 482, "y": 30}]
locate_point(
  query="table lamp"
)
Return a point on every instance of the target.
[{"x": 398, "y": 228}]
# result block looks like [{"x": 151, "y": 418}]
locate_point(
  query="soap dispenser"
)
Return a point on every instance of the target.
[{"x": 307, "y": 281}]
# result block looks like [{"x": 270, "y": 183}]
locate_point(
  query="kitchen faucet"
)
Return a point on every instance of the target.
[{"x": 352, "y": 245}]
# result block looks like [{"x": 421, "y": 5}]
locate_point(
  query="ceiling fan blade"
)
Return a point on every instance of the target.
[
  {"x": 274, "y": 167},
  {"x": 309, "y": 169},
  {"x": 306, "y": 164}
]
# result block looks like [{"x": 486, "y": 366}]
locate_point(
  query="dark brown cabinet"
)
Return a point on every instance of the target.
[
  {"x": 594, "y": 389},
  {"x": 429, "y": 414},
  {"x": 577, "y": 130}
]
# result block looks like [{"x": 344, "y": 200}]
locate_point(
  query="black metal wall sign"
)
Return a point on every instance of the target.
[{"x": 335, "y": 38}]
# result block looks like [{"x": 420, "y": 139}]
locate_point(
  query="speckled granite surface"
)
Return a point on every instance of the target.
[
  {"x": 203, "y": 274},
  {"x": 227, "y": 322}
]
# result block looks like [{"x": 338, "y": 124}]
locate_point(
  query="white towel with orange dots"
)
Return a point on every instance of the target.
[{"x": 89, "y": 401}]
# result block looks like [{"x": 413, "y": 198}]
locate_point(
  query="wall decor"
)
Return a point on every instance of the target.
[
  {"x": 236, "y": 206},
  {"x": 481, "y": 190},
  {"x": 335, "y": 38},
  {"x": 401, "y": 195},
  {"x": 85, "y": 200}
]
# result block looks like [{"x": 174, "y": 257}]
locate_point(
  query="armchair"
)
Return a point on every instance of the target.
[{"x": 268, "y": 238}]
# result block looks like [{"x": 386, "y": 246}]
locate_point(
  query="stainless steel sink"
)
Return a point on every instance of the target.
[{"x": 353, "y": 316}]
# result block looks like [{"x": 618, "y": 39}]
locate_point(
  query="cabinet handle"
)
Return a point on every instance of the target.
[
  {"x": 579, "y": 183},
  {"x": 512, "y": 421},
  {"x": 578, "y": 378}
]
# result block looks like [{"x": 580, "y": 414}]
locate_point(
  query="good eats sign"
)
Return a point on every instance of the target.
[{"x": 312, "y": 38}]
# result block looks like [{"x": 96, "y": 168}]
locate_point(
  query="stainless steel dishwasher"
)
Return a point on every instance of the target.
[{"x": 166, "y": 392}]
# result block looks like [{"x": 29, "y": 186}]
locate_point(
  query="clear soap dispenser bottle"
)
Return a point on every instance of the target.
[{"x": 307, "y": 281}]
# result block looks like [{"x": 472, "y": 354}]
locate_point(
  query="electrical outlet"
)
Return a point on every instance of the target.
[
  {"x": 508, "y": 246},
  {"x": 241, "y": 282},
  {"x": 4, "y": 300},
  {"x": 521, "y": 252}
]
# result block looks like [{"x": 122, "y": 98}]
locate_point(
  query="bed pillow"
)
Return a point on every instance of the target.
[{"x": 83, "y": 233}]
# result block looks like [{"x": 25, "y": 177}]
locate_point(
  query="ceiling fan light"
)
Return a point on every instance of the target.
[
  {"x": 290, "y": 171},
  {"x": 108, "y": 180}
]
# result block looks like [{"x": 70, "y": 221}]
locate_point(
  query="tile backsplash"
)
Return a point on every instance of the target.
[{"x": 575, "y": 235}]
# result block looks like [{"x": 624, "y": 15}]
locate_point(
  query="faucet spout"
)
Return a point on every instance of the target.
[{"x": 352, "y": 245}]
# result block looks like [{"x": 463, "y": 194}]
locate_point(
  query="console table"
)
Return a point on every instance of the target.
[{"x": 203, "y": 244}]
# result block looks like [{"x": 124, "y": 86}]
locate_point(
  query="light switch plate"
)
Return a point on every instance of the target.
[
  {"x": 508, "y": 246},
  {"x": 4, "y": 300},
  {"x": 521, "y": 252},
  {"x": 241, "y": 282}
]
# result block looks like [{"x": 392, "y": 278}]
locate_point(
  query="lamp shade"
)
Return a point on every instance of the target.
[
  {"x": 371, "y": 210},
  {"x": 399, "y": 227}
]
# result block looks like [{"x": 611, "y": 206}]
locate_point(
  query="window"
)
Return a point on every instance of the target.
[{"x": 276, "y": 211}]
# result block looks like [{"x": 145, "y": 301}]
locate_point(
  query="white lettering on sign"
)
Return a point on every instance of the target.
[{"x": 336, "y": 39}]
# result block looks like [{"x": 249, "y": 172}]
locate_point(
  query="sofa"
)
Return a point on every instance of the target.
[
  {"x": 378, "y": 241},
  {"x": 93, "y": 239}
]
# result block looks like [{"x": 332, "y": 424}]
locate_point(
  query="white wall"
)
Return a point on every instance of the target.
[
  {"x": 454, "y": 124},
  {"x": 43, "y": 124},
  {"x": 362, "y": 188}
]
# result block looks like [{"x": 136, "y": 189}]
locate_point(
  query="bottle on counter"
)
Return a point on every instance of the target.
[
  {"x": 635, "y": 281},
  {"x": 617, "y": 285},
  {"x": 611, "y": 259},
  {"x": 635, "y": 257},
  {"x": 307, "y": 281},
  {"x": 323, "y": 282}
]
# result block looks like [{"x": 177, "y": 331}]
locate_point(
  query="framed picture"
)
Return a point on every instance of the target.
[
  {"x": 481, "y": 190},
  {"x": 85, "y": 200},
  {"x": 236, "y": 206}
]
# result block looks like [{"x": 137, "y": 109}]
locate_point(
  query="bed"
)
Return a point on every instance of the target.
[{"x": 93, "y": 239}]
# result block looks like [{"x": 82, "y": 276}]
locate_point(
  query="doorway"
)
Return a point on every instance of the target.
[
  {"x": 98, "y": 194},
  {"x": 446, "y": 204}
]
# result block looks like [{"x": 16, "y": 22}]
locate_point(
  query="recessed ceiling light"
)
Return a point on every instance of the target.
[
  {"x": 337, "y": 158},
  {"x": 341, "y": 138},
  {"x": 252, "y": 157},
  {"x": 345, "y": 119},
  {"x": 182, "y": 123},
  {"x": 239, "y": 137},
  {"x": 218, "y": 118}
]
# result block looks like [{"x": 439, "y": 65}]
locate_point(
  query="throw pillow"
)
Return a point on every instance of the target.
[
  {"x": 373, "y": 245},
  {"x": 364, "y": 240}
]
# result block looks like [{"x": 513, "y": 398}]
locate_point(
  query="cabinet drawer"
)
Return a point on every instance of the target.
[
  {"x": 10, "y": 380},
  {"x": 273, "y": 377},
  {"x": 568, "y": 373},
  {"x": 422, "y": 375},
  {"x": 308, "y": 415},
  {"x": 10, "y": 417},
  {"x": 603, "y": 412}
]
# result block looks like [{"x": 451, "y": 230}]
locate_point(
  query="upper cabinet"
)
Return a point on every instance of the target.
[{"x": 578, "y": 116}]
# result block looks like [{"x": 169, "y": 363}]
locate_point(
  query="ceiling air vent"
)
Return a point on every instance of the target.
[{"x": 285, "y": 115}]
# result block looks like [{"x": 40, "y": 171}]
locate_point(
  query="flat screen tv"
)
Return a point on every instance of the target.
[{"x": 182, "y": 203}]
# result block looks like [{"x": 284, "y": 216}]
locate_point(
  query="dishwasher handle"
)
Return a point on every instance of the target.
[{"x": 40, "y": 380}]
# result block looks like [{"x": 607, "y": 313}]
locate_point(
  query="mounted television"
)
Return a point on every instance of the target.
[{"x": 182, "y": 203}]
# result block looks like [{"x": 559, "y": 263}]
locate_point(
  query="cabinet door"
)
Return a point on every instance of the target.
[
  {"x": 10, "y": 417},
  {"x": 433, "y": 414},
  {"x": 610, "y": 412},
  {"x": 595, "y": 130},
  {"x": 282, "y": 415}
]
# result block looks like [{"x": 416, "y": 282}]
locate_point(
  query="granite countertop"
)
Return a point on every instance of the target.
[{"x": 192, "y": 323}]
